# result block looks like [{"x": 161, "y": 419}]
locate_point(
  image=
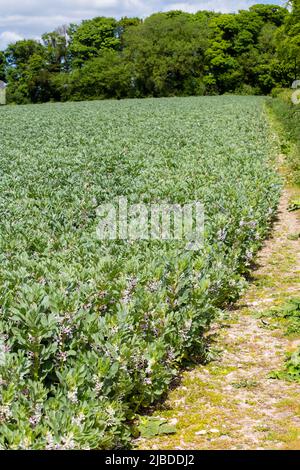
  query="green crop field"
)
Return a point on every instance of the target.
[{"x": 94, "y": 331}]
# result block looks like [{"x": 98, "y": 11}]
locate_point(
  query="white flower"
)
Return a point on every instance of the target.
[
  {"x": 5, "y": 412},
  {"x": 68, "y": 442},
  {"x": 72, "y": 395},
  {"x": 78, "y": 420},
  {"x": 222, "y": 234}
]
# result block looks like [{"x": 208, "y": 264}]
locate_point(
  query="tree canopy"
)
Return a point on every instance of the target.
[{"x": 167, "y": 54}]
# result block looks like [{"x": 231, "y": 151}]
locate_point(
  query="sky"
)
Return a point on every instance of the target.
[{"x": 31, "y": 18}]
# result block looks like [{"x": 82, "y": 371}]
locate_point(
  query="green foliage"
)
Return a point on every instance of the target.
[
  {"x": 294, "y": 206},
  {"x": 151, "y": 427},
  {"x": 167, "y": 54},
  {"x": 292, "y": 368},
  {"x": 289, "y": 116},
  {"x": 106, "y": 76},
  {"x": 94, "y": 331},
  {"x": 242, "y": 50},
  {"x": 270, "y": 13},
  {"x": 2, "y": 66},
  {"x": 20, "y": 53},
  {"x": 93, "y": 36},
  {"x": 245, "y": 383},
  {"x": 27, "y": 73},
  {"x": 289, "y": 46},
  {"x": 290, "y": 312},
  {"x": 56, "y": 50}
]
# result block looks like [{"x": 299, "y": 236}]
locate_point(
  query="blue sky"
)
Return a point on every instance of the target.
[{"x": 31, "y": 18}]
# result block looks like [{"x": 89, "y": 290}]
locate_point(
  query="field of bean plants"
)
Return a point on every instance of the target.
[{"x": 93, "y": 331}]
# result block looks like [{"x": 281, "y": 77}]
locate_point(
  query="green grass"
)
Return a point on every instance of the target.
[
  {"x": 289, "y": 317},
  {"x": 94, "y": 331},
  {"x": 288, "y": 114}
]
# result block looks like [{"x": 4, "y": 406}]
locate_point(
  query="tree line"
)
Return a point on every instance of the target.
[{"x": 167, "y": 54}]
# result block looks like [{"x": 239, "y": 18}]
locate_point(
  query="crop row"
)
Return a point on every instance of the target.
[{"x": 94, "y": 331}]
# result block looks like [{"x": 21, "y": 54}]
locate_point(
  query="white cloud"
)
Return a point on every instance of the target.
[
  {"x": 6, "y": 37},
  {"x": 31, "y": 18}
]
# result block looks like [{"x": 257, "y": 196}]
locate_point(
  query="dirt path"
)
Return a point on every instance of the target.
[{"x": 231, "y": 403}]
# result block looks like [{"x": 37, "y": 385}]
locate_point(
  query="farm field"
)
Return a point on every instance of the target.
[{"x": 94, "y": 331}]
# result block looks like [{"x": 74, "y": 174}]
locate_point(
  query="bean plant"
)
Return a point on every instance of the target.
[{"x": 92, "y": 332}]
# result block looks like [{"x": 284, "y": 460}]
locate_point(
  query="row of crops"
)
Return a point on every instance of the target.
[{"x": 94, "y": 331}]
